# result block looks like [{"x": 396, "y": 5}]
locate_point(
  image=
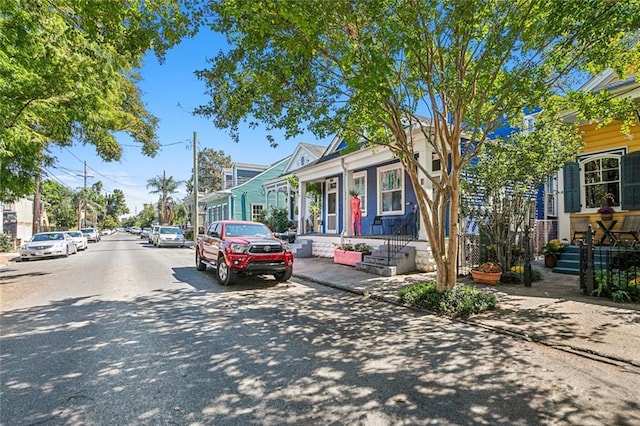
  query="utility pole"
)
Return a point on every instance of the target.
[
  {"x": 82, "y": 222},
  {"x": 196, "y": 213},
  {"x": 37, "y": 207}
]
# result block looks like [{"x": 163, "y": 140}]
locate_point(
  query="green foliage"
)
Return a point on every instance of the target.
[
  {"x": 364, "y": 70},
  {"x": 166, "y": 187},
  {"x": 277, "y": 220},
  {"x": 461, "y": 301},
  {"x": 6, "y": 242},
  {"x": 210, "y": 166},
  {"x": 359, "y": 247},
  {"x": 68, "y": 76}
]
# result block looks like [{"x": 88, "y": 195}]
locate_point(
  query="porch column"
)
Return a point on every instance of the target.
[
  {"x": 347, "y": 224},
  {"x": 302, "y": 207}
]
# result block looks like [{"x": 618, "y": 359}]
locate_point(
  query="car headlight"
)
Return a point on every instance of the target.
[
  {"x": 286, "y": 247},
  {"x": 239, "y": 248}
]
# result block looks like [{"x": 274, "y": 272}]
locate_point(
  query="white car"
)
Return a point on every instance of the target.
[
  {"x": 91, "y": 233},
  {"x": 169, "y": 236},
  {"x": 81, "y": 240},
  {"x": 48, "y": 244}
]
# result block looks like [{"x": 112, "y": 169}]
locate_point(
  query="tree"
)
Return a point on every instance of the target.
[
  {"x": 62, "y": 208},
  {"x": 68, "y": 76},
  {"x": 210, "y": 165},
  {"x": 165, "y": 186},
  {"x": 370, "y": 70},
  {"x": 116, "y": 204},
  {"x": 146, "y": 216}
]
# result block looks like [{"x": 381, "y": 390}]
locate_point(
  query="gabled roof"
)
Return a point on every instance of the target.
[{"x": 309, "y": 151}]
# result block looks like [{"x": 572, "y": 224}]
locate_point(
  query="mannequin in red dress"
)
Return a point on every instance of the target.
[{"x": 356, "y": 215}]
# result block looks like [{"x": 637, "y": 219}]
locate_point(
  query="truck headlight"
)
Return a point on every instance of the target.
[{"x": 238, "y": 248}]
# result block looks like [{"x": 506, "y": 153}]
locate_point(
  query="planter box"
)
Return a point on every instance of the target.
[
  {"x": 491, "y": 278},
  {"x": 349, "y": 258}
]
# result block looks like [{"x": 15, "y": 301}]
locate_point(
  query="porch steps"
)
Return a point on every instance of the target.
[
  {"x": 402, "y": 262},
  {"x": 569, "y": 262},
  {"x": 302, "y": 248}
]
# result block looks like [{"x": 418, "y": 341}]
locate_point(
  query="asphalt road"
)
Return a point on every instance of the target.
[{"x": 129, "y": 334}]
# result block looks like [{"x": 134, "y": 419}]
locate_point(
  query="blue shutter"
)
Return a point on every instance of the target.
[
  {"x": 571, "y": 174},
  {"x": 631, "y": 181}
]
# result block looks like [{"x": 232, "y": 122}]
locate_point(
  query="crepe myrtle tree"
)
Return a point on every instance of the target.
[{"x": 368, "y": 70}]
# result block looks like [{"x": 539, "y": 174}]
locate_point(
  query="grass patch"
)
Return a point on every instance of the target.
[{"x": 462, "y": 301}]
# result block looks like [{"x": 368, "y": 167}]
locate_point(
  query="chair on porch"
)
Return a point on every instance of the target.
[
  {"x": 377, "y": 221},
  {"x": 630, "y": 226},
  {"x": 406, "y": 225},
  {"x": 579, "y": 225}
]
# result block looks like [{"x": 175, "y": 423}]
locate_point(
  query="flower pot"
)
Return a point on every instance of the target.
[
  {"x": 605, "y": 217},
  {"x": 350, "y": 258},
  {"x": 550, "y": 260},
  {"x": 491, "y": 278}
]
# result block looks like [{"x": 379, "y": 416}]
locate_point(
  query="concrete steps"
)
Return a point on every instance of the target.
[{"x": 401, "y": 263}]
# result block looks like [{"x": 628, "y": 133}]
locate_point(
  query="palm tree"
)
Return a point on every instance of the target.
[{"x": 165, "y": 186}]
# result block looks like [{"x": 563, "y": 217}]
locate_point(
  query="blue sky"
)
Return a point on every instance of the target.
[{"x": 170, "y": 91}]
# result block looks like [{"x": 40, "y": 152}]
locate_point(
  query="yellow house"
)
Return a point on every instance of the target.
[{"x": 606, "y": 171}]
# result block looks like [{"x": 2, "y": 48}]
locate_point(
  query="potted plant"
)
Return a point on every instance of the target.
[
  {"x": 551, "y": 252},
  {"x": 350, "y": 254},
  {"x": 606, "y": 213},
  {"x": 487, "y": 273}
]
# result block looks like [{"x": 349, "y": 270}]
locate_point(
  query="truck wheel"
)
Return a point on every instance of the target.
[
  {"x": 200, "y": 265},
  {"x": 226, "y": 275},
  {"x": 283, "y": 276}
]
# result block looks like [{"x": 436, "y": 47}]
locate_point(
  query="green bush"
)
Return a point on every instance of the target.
[
  {"x": 6, "y": 243},
  {"x": 461, "y": 302}
]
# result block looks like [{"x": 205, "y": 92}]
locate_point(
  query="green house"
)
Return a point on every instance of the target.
[{"x": 247, "y": 200}]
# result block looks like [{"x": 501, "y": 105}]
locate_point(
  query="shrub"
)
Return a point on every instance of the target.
[
  {"x": 462, "y": 301},
  {"x": 6, "y": 243}
]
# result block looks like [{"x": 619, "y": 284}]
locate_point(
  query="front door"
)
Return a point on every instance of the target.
[{"x": 331, "y": 219}]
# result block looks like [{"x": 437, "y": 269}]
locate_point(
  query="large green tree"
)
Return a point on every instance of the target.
[
  {"x": 60, "y": 204},
  {"x": 67, "y": 75},
  {"x": 210, "y": 165},
  {"x": 365, "y": 69}
]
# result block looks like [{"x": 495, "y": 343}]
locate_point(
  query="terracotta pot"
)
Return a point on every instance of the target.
[
  {"x": 491, "y": 278},
  {"x": 605, "y": 217}
]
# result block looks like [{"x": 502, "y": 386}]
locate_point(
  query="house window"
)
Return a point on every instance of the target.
[
  {"x": 601, "y": 181},
  {"x": 435, "y": 162},
  {"x": 551, "y": 191},
  {"x": 360, "y": 185},
  {"x": 257, "y": 211},
  {"x": 391, "y": 190}
]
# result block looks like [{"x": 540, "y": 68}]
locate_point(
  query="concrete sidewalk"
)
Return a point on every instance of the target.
[{"x": 553, "y": 311}]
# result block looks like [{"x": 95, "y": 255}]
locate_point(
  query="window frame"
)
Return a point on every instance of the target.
[
  {"x": 253, "y": 213},
  {"x": 380, "y": 192},
  {"x": 583, "y": 160}
]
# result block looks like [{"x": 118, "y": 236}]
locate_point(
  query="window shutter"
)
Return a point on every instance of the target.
[
  {"x": 631, "y": 181},
  {"x": 571, "y": 174}
]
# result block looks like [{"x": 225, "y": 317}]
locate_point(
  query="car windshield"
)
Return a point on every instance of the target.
[
  {"x": 48, "y": 237},
  {"x": 75, "y": 233},
  {"x": 246, "y": 230},
  {"x": 87, "y": 231},
  {"x": 170, "y": 231}
]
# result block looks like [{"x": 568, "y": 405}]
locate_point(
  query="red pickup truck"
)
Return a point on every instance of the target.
[{"x": 235, "y": 248}]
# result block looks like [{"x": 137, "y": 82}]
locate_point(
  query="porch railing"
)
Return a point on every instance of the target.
[{"x": 395, "y": 243}]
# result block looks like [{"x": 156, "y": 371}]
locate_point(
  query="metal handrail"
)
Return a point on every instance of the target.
[{"x": 395, "y": 243}]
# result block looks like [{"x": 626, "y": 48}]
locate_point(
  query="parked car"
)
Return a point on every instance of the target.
[
  {"x": 91, "y": 233},
  {"x": 170, "y": 236},
  {"x": 153, "y": 234},
  {"x": 48, "y": 244},
  {"x": 238, "y": 248},
  {"x": 145, "y": 233},
  {"x": 82, "y": 243}
]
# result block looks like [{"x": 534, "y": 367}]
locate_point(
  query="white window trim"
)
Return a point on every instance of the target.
[
  {"x": 379, "y": 171},
  {"x": 596, "y": 156},
  {"x": 363, "y": 206},
  {"x": 252, "y": 209}
]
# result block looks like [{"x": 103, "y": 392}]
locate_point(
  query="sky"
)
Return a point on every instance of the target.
[{"x": 170, "y": 90}]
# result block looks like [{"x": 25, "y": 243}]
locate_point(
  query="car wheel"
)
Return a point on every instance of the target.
[
  {"x": 200, "y": 265},
  {"x": 66, "y": 253},
  {"x": 283, "y": 276},
  {"x": 226, "y": 275}
]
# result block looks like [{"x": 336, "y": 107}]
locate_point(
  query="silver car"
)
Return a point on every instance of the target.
[
  {"x": 91, "y": 233},
  {"x": 169, "y": 236},
  {"x": 48, "y": 244},
  {"x": 81, "y": 240}
]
